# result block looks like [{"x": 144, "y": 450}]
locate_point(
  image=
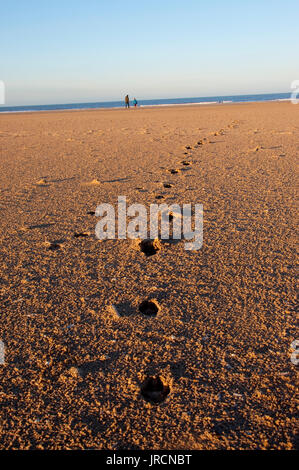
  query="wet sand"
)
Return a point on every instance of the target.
[{"x": 79, "y": 350}]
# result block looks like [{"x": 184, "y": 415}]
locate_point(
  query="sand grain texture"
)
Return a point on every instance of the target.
[{"x": 78, "y": 349}]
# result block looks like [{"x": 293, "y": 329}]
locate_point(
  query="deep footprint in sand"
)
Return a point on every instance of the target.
[
  {"x": 149, "y": 308},
  {"x": 174, "y": 171},
  {"x": 150, "y": 247},
  {"x": 167, "y": 185},
  {"x": 154, "y": 390}
]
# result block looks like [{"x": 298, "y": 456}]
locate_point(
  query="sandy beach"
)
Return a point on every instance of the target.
[{"x": 77, "y": 348}]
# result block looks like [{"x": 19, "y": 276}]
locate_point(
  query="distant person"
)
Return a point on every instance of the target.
[
  {"x": 135, "y": 102},
  {"x": 127, "y": 101}
]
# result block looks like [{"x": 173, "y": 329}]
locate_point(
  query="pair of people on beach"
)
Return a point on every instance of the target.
[{"x": 127, "y": 102}]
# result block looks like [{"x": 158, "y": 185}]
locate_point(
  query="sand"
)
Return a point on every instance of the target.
[{"x": 78, "y": 350}]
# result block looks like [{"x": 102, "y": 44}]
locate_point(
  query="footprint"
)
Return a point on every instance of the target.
[
  {"x": 167, "y": 185},
  {"x": 150, "y": 247},
  {"x": 53, "y": 246},
  {"x": 81, "y": 234},
  {"x": 149, "y": 308},
  {"x": 174, "y": 171},
  {"x": 120, "y": 310},
  {"x": 91, "y": 213},
  {"x": 221, "y": 132},
  {"x": 257, "y": 149},
  {"x": 42, "y": 182},
  {"x": 94, "y": 182},
  {"x": 154, "y": 390},
  {"x": 185, "y": 163},
  {"x": 159, "y": 197}
]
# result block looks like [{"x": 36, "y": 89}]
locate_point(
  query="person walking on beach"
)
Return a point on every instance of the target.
[
  {"x": 127, "y": 101},
  {"x": 135, "y": 102}
]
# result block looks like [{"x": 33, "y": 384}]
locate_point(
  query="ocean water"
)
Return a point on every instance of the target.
[{"x": 158, "y": 102}]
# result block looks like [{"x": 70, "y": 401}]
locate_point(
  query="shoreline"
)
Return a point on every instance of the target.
[{"x": 209, "y": 105}]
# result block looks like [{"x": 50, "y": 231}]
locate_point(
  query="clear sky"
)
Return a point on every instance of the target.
[{"x": 61, "y": 51}]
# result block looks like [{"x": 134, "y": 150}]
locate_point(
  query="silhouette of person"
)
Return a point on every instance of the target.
[
  {"x": 135, "y": 102},
  {"x": 127, "y": 101}
]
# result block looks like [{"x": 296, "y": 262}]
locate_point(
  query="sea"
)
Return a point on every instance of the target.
[{"x": 154, "y": 102}]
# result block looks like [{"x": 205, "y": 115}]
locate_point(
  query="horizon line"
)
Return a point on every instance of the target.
[{"x": 3, "y": 105}]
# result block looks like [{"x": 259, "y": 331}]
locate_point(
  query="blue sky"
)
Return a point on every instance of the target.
[{"x": 62, "y": 51}]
